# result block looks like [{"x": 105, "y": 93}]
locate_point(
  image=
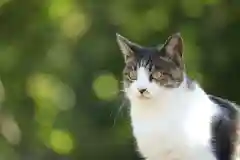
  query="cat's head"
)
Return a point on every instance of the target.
[{"x": 150, "y": 71}]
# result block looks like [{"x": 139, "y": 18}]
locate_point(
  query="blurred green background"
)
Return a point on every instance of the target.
[{"x": 60, "y": 69}]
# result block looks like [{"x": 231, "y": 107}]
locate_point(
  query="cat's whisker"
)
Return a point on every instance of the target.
[
  {"x": 118, "y": 112},
  {"x": 121, "y": 90},
  {"x": 122, "y": 82},
  {"x": 117, "y": 92}
]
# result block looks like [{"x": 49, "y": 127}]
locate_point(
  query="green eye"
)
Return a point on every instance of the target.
[
  {"x": 132, "y": 75},
  {"x": 157, "y": 75}
]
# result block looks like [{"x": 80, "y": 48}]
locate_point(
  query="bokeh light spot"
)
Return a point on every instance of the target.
[
  {"x": 73, "y": 25},
  {"x": 48, "y": 90},
  {"x": 105, "y": 86},
  {"x": 10, "y": 130},
  {"x": 59, "y": 9},
  {"x": 71, "y": 19},
  {"x": 3, "y": 2},
  {"x": 61, "y": 142},
  {"x": 50, "y": 96}
]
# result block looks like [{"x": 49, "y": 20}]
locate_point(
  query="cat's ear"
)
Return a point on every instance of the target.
[
  {"x": 174, "y": 46},
  {"x": 127, "y": 47}
]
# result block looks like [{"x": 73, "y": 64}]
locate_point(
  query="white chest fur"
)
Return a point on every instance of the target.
[{"x": 176, "y": 127}]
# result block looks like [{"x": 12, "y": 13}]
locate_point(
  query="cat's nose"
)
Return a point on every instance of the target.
[{"x": 142, "y": 90}]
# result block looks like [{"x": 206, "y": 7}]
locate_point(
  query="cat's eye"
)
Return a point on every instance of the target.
[
  {"x": 132, "y": 75},
  {"x": 157, "y": 75}
]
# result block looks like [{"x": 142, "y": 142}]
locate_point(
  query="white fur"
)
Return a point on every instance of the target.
[{"x": 170, "y": 123}]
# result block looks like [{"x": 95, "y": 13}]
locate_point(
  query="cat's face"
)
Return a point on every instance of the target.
[{"x": 150, "y": 71}]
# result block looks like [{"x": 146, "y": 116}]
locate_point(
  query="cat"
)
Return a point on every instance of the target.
[{"x": 172, "y": 117}]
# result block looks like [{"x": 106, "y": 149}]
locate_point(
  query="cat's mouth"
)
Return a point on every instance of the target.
[{"x": 144, "y": 96}]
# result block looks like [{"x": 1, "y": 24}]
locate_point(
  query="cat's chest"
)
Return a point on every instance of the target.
[
  {"x": 181, "y": 134},
  {"x": 154, "y": 136},
  {"x": 157, "y": 126}
]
